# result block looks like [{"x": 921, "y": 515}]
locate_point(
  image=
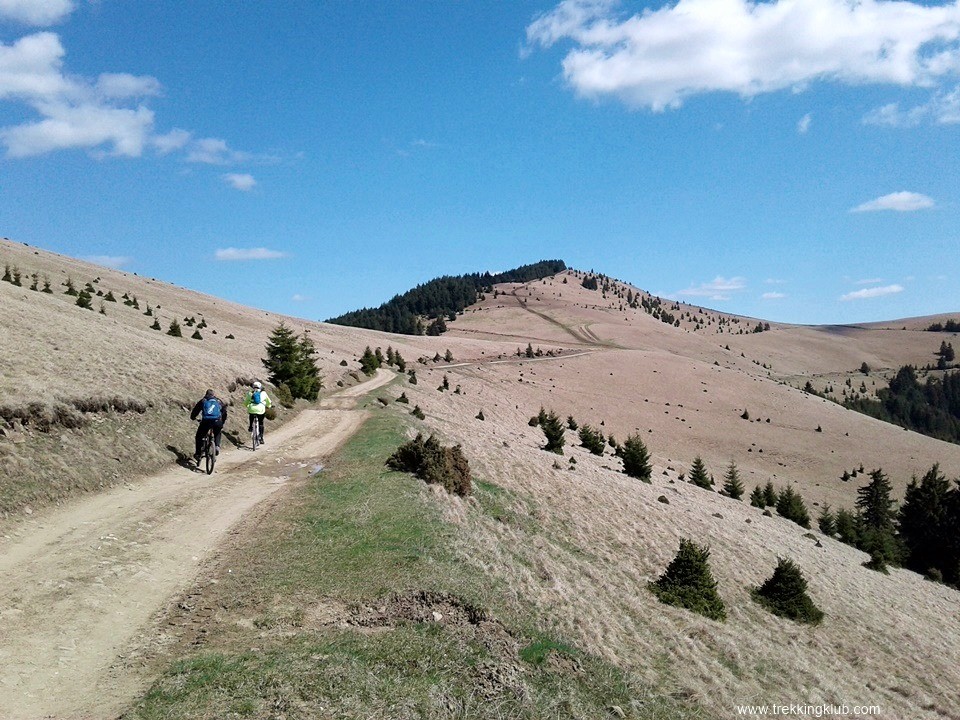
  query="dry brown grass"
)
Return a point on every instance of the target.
[{"x": 581, "y": 544}]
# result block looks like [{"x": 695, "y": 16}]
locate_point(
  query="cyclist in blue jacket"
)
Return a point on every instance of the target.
[{"x": 213, "y": 414}]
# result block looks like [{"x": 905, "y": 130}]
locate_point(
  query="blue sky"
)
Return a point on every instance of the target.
[{"x": 794, "y": 160}]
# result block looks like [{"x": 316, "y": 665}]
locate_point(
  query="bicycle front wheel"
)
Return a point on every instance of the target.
[{"x": 255, "y": 436}]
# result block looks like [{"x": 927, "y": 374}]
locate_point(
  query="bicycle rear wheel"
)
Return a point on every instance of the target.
[
  {"x": 210, "y": 451},
  {"x": 255, "y": 436}
]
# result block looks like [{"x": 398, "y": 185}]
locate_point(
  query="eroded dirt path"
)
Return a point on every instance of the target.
[{"x": 78, "y": 583}]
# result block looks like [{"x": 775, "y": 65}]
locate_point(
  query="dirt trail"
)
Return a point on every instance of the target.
[{"x": 79, "y": 583}]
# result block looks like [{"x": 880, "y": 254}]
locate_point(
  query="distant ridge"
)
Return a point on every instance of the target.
[{"x": 440, "y": 299}]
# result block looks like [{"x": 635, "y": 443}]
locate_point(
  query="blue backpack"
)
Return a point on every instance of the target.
[
  {"x": 255, "y": 397},
  {"x": 211, "y": 409}
]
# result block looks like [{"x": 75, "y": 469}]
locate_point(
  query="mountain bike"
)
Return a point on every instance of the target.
[{"x": 208, "y": 451}]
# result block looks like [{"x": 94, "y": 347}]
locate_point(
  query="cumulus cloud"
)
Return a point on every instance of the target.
[
  {"x": 717, "y": 289},
  {"x": 772, "y": 296},
  {"x": 899, "y": 201},
  {"x": 659, "y": 57},
  {"x": 111, "y": 261},
  {"x": 804, "y": 124},
  {"x": 873, "y": 292},
  {"x": 104, "y": 115},
  {"x": 240, "y": 181},
  {"x": 35, "y": 12},
  {"x": 232, "y": 253},
  {"x": 73, "y": 112}
]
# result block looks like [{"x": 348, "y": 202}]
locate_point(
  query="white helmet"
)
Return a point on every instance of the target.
[{"x": 257, "y": 385}]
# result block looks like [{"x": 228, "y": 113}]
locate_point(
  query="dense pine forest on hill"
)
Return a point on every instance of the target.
[{"x": 440, "y": 299}]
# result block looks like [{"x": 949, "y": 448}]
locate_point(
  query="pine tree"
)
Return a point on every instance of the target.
[
  {"x": 391, "y": 358},
  {"x": 448, "y": 356},
  {"x": 368, "y": 361},
  {"x": 46, "y": 286},
  {"x": 925, "y": 525},
  {"x": 196, "y": 335},
  {"x": 757, "y": 497},
  {"x": 847, "y": 527},
  {"x": 401, "y": 363},
  {"x": 636, "y": 459},
  {"x": 698, "y": 474},
  {"x": 769, "y": 494},
  {"x": 791, "y": 506},
  {"x": 109, "y": 296},
  {"x": 71, "y": 290},
  {"x": 174, "y": 329},
  {"x": 290, "y": 361},
  {"x": 688, "y": 582},
  {"x": 785, "y": 594},
  {"x": 827, "y": 522},
  {"x": 156, "y": 324},
  {"x": 732, "y": 486},
  {"x": 553, "y": 430},
  {"x": 877, "y": 519},
  {"x": 571, "y": 423},
  {"x": 592, "y": 440},
  {"x": 7, "y": 276}
]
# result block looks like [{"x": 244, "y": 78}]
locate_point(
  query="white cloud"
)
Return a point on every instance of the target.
[
  {"x": 943, "y": 109},
  {"x": 176, "y": 139},
  {"x": 873, "y": 292},
  {"x": 899, "y": 201},
  {"x": 717, "y": 289},
  {"x": 85, "y": 126},
  {"x": 657, "y": 58},
  {"x": 248, "y": 254},
  {"x": 297, "y": 297},
  {"x": 35, "y": 12},
  {"x": 869, "y": 281},
  {"x": 214, "y": 151},
  {"x": 104, "y": 115},
  {"x": 111, "y": 261},
  {"x": 240, "y": 181},
  {"x": 73, "y": 112},
  {"x": 773, "y": 296},
  {"x": 804, "y": 124}
]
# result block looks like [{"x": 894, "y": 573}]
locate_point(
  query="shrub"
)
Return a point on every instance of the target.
[
  {"x": 156, "y": 324},
  {"x": 84, "y": 300},
  {"x": 417, "y": 412},
  {"x": 174, "y": 330},
  {"x": 412, "y": 374},
  {"x": 480, "y": 416},
  {"x": 636, "y": 459},
  {"x": 196, "y": 335},
  {"x": 434, "y": 464},
  {"x": 284, "y": 396},
  {"x": 688, "y": 582},
  {"x": 592, "y": 440},
  {"x": 785, "y": 594},
  {"x": 403, "y": 399}
]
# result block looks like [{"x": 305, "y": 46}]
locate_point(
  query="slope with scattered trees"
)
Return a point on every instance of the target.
[{"x": 440, "y": 300}]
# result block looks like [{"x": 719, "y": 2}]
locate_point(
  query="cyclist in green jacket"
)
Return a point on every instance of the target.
[{"x": 257, "y": 402}]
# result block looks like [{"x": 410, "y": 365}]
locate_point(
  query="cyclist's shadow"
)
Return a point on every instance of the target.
[{"x": 184, "y": 460}]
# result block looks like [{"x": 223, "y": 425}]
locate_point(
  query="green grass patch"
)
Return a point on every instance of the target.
[{"x": 353, "y": 538}]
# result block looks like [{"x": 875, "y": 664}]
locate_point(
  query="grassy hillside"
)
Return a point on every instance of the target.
[{"x": 557, "y": 549}]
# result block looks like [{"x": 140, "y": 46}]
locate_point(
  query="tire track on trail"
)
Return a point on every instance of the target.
[
  {"x": 78, "y": 583},
  {"x": 582, "y": 333}
]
